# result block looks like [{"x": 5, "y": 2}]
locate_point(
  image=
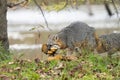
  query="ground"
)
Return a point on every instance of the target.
[
  {"x": 88, "y": 66},
  {"x": 31, "y": 64}
]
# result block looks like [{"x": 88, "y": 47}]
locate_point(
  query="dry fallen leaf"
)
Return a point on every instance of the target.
[
  {"x": 39, "y": 71},
  {"x": 78, "y": 68},
  {"x": 69, "y": 58},
  {"x": 17, "y": 68},
  {"x": 57, "y": 57},
  {"x": 11, "y": 63},
  {"x": 109, "y": 67},
  {"x": 37, "y": 60},
  {"x": 80, "y": 75},
  {"x": 101, "y": 75},
  {"x": 4, "y": 77},
  {"x": 60, "y": 66}
]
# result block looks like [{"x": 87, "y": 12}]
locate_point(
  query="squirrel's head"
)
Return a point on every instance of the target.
[
  {"x": 56, "y": 40},
  {"x": 54, "y": 43}
]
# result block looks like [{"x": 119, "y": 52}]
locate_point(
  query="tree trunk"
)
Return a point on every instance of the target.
[{"x": 3, "y": 24}]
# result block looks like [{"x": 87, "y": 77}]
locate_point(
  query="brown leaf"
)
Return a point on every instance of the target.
[
  {"x": 37, "y": 60},
  {"x": 80, "y": 75},
  {"x": 57, "y": 57},
  {"x": 17, "y": 68},
  {"x": 11, "y": 63},
  {"x": 109, "y": 67},
  {"x": 69, "y": 58},
  {"x": 40, "y": 71},
  {"x": 60, "y": 66},
  {"x": 4, "y": 77},
  {"x": 101, "y": 75},
  {"x": 78, "y": 68},
  {"x": 25, "y": 79}
]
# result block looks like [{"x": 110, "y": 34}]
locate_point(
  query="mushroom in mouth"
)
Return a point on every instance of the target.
[{"x": 50, "y": 49}]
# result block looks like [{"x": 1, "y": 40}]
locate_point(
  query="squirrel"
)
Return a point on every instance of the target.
[{"x": 80, "y": 35}]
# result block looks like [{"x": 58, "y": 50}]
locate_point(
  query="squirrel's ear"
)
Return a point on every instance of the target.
[
  {"x": 56, "y": 37},
  {"x": 49, "y": 35}
]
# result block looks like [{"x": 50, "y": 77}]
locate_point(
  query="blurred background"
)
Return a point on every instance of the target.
[{"x": 30, "y": 22}]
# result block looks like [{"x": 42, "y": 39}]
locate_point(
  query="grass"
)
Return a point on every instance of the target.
[{"x": 86, "y": 67}]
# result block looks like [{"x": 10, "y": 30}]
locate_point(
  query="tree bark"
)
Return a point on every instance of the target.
[{"x": 3, "y": 24}]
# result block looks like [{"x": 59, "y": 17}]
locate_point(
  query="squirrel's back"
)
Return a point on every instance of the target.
[
  {"x": 74, "y": 33},
  {"x": 111, "y": 40}
]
